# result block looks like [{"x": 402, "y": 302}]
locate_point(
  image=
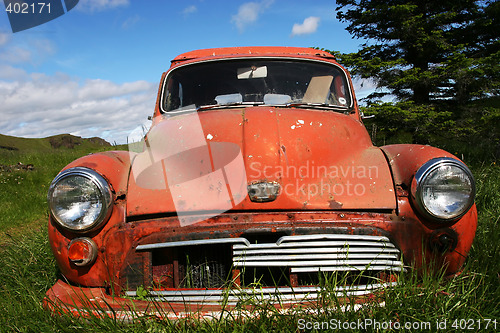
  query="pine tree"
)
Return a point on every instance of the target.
[{"x": 425, "y": 50}]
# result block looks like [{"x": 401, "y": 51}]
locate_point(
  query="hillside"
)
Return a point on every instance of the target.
[
  {"x": 67, "y": 141},
  {"x": 27, "y": 166}
]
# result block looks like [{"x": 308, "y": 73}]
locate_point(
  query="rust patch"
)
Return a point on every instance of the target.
[
  {"x": 400, "y": 191},
  {"x": 335, "y": 204}
]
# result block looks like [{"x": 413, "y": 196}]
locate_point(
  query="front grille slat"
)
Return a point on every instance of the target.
[
  {"x": 295, "y": 257},
  {"x": 331, "y": 250},
  {"x": 233, "y": 296},
  {"x": 311, "y": 244},
  {"x": 361, "y": 268},
  {"x": 313, "y": 253},
  {"x": 366, "y": 264}
]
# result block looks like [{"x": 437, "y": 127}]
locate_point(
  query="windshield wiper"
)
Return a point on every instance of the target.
[
  {"x": 225, "y": 105},
  {"x": 315, "y": 105},
  {"x": 287, "y": 105}
]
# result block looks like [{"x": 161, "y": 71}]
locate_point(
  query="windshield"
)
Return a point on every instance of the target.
[{"x": 255, "y": 82}]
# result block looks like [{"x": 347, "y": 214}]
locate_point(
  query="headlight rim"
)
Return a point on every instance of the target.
[
  {"x": 426, "y": 169},
  {"x": 102, "y": 185}
]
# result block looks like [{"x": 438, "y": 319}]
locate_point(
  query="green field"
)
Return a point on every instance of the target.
[{"x": 27, "y": 268}]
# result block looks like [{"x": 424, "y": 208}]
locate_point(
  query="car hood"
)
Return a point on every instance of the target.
[{"x": 295, "y": 159}]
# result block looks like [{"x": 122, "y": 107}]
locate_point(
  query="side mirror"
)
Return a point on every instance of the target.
[{"x": 367, "y": 117}]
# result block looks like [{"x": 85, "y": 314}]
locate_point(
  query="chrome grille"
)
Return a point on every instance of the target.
[
  {"x": 325, "y": 252},
  {"x": 297, "y": 258}
]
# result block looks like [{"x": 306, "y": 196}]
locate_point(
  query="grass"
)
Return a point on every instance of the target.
[
  {"x": 23, "y": 192},
  {"x": 27, "y": 270}
]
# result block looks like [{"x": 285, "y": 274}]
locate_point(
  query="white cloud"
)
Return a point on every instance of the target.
[
  {"x": 4, "y": 38},
  {"x": 363, "y": 88},
  {"x": 33, "y": 51},
  {"x": 41, "y": 49},
  {"x": 40, "y": 105},
  {"x": 103, "y": 89},
  {"x": 131, "y": 21},
  {"x": 309, "y": 26},
  {"x": 8, "y": 72},
  {"x": 15, "y": 54},
  {"x": 100, "y": 5},
  {"x": 249, "y": 12},
  {"x": 190, "y": 10},
  {"x": 48, "y": 105}
]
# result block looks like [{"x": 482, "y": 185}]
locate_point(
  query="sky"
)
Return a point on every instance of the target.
[{"x": 95, "y": 70}]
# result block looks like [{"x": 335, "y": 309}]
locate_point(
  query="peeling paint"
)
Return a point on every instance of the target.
[{"x": 335, "y": 204}]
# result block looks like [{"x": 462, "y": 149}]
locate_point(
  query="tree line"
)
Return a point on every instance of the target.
[{"x": 438, "y": 60}]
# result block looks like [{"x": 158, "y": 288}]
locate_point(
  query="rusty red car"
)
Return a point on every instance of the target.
[{"x": 256, "y": 177}]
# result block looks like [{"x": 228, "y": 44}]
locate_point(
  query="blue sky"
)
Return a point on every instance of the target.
[{"x": 95, "y": 70}]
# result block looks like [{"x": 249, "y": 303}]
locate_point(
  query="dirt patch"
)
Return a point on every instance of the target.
[
  {"x": 16, "y": 167},
  {"x": 8, "y": 148}
]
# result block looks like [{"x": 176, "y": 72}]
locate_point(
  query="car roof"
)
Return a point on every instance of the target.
[{"x": 265, "y": 51}]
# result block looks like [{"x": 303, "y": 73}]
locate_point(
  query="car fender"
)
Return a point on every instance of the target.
[
  {"x": 114, "y": 166},
  {"x": 404, "y": 161}
]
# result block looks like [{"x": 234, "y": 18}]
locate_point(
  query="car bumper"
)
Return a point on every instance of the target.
[{"x": 64, "y": 298}]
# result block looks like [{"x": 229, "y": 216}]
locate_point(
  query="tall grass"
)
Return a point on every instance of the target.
[
  {"x": 23, "y": 193},
  {"x": 28, "y": 270}
]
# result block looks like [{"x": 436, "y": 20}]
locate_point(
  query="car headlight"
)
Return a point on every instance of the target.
[
  {"x": 80, "y": 199},
  {"x": 443, "y": 189}
]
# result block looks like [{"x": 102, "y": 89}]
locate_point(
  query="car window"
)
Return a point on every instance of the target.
[{"x": 251, "y": 81}]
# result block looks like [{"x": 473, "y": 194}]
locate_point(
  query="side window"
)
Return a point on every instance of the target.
[
  {"x": 339, "y": 91},
  {"x": 173, "y": 95}
]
